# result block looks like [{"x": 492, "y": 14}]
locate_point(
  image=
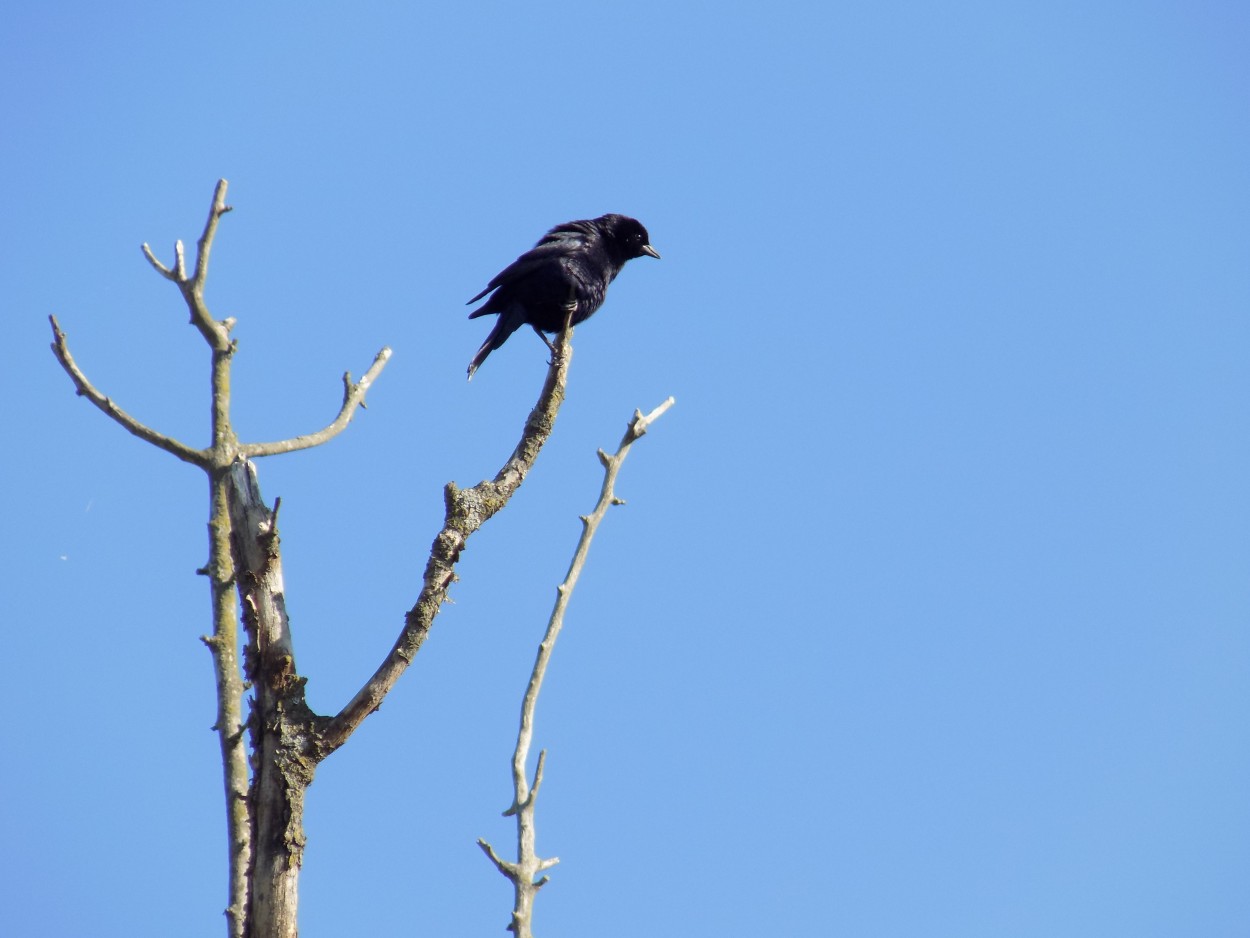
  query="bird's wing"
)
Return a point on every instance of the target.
[{"x": 557, "y": 243}]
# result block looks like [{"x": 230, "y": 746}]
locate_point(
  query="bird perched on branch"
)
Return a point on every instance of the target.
[{"x": 567, "y": 271}]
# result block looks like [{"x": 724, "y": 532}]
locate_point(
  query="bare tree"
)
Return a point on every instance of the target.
[{"x": 286, "y": 741}]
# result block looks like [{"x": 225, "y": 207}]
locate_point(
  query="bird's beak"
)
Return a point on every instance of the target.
[{"x": 650, "y": 251}]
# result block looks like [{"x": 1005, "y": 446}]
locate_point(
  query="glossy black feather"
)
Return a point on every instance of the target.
[{"x": 572, "y": 264}]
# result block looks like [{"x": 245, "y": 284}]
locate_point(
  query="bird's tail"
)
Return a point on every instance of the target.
[{"x": 508, "y": 322}]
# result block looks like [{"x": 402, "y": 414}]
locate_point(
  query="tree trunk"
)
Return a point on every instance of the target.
[{"x": 281, "y": 724}]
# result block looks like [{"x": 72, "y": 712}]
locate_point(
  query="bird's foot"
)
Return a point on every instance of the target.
[{"x": 546, "y": 341}]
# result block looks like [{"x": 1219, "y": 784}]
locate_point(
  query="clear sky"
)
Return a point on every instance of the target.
[{"x": 927, "y": 614}]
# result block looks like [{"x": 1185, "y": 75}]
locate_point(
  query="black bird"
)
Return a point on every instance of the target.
[{"x": 570, "y": 268}]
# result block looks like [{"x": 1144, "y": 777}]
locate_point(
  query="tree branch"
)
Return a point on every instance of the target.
[
  {"x": 223, "y": 644},
  {"x": 466, "y": 510},
  {"x": 216, "y": 334},
  {"x": 353, "y": 397},
  {"x": 528, "y": 864},
  {"x": 204, "y": 246},
  {"x": 60, "y": 348}
]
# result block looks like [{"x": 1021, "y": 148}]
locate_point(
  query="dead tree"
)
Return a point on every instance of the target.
[{"x": 270, "y": 756}]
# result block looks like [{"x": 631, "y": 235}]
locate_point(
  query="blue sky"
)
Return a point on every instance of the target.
[{"x": 927, "y": 613}]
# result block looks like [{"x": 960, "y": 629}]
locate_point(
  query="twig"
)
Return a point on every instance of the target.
[
  {"x": 205, "y": 245},
  {"x": 161, "y": 268},
  {"x": 353, "y": 397},
  {"x": 528, "y": 865},
  {"x": 60, "y": 348}
]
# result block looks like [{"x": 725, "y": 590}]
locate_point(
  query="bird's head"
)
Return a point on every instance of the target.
[{"x": 627, "y": 235}]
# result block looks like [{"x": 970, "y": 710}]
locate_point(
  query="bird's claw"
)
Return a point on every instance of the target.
[{"x": 546, "y": 341}]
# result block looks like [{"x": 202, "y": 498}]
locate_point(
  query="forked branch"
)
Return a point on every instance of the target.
[{"x": 216, "y": 334}]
